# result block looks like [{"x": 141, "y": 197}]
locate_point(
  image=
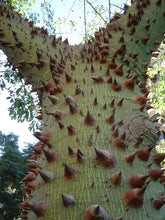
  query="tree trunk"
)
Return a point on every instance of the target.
[{"x": 98, "y": 122}]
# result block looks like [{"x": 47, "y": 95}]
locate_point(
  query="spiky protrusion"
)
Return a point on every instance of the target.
[
  {"x": 69, "y": 99},
  {"x": 80, "y": 157},
  {"x": 98, "y": 79},
  {"x": 134, "y": 197},
  {"x": 116, "y": 179},
  {"x": 158, "y": 203},
  {"x": 50, "y": 155},
  {"x": 158, "y": 157},
  {"x": 31, "y": 184},
  {"x": 24, "y": 205},
  {"x": 112, "y": 64},
  {"x": 140, "y": 99},
  {"x": 37, "y": 148},
  {"x": 54, "y": 99},
  {"x": 58, "y": 114},
  {"x": 111, "y": 117},
  {"x": 71, "y": 130},
  {"x": 105, "y": 158},
  {"x": 89, "y": 119},
  {"x": 38, "y": 208},
  {"x": 136, "y": 181},
  {"x": 71, "y": 152},
  {"x": 129, "y": 158},
  {"x": 118, "y": 70},
  {"x": 29, "y": 177},
  {"x": 73, "y": 109},
  {"x": 67, "y": 200},
  {"x": 116, "y": 86},
  {"x": 119, "y": 142},
  {"x": 129, "y": 84},
  {"x": 95, "y": 212},
  {"x": 69, "y": 79},
  {"x": 70, "y": 172},
  {"x": 156, "y": 174},
  {"x": 144, "y": 153},
  {"x": 46, "y": 176},
  {"x": 43, "y": 136}
]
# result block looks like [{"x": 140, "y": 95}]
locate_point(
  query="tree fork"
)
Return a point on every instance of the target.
[{"x": 104, "y": 83}]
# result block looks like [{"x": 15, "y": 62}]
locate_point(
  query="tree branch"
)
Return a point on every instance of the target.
[
  {"x": 85, "y": 22},
  {"x": 70, "y": 10},
  {"x": 109, "y": 12},
  {"x": 96, "y": 11},
  {"x": 117, "y": 6}
]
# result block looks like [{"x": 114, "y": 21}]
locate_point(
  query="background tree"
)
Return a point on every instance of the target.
[
  {"x": 156, "y": 83},
  {"x": 99, "y": 109},
  {"x": 13, "y": 167}
]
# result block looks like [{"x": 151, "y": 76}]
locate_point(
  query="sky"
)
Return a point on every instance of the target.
[
  {"x": 7, "y": 125},
  {"x": 67, "y": 11}
]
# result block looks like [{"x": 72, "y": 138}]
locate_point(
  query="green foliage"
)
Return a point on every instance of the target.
[
  {"x": 157, "y": 82},
  {"x": 13, "y": 167},
  {"x": 21, "y": 5},
  {"x": 23, "y": 103},
  {"x": 48, "y": 16}
]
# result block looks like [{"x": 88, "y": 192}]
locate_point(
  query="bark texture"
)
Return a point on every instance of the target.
[{"x": 97, "y": 158}]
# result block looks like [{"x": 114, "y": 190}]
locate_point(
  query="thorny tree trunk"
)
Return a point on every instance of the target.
[{"x": 99, "y": 111}]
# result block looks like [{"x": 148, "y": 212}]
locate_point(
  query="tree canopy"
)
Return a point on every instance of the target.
[{"x": 13, "y": 167}]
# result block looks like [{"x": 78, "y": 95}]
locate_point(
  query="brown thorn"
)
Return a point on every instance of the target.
[
  {"x": 69, "y": 172},
  {"x": 89, "y": 119}
]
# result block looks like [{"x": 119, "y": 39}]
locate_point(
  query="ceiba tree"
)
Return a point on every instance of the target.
[{"x": 96, "y": 156}]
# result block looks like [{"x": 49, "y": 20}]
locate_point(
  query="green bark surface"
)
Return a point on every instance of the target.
[{"x": 139, "y": 38}]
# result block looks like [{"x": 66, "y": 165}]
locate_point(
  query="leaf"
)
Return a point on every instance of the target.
[{"x": 25, "y": 6}]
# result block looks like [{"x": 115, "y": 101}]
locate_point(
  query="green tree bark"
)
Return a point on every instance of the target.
[{"x": 100, "y": 113}]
